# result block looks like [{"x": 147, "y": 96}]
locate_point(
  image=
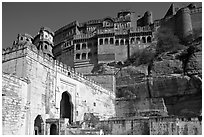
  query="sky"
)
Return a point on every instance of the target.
[{"x": 29, "y": 17}]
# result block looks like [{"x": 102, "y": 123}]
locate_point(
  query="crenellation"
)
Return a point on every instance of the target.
[{"x": 196, "y": 10}]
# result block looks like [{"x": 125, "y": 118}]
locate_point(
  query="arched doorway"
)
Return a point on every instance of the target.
[
  {"x": 53, "y": 129},
  {"x": 39, "y": 125},
  {"x": 66, "y": 107}
]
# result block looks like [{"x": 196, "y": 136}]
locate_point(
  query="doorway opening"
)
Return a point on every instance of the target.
[
  {"x": 66, "y": 107},
  {"x": 39, "y": 125},
  {"x": 53, "y": 129}
]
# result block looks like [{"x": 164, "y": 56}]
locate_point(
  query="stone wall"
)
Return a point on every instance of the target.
[
  {"x": 175, "y": 126},
  {"x": 49, "y": 79},
  {"x": 140, "y": 107},
  {"x": 152, "y": 126},
  {"x": 14, "y": 105},
  {"x": 132, "y": 126},
  {"x": 106, "y": 80}
]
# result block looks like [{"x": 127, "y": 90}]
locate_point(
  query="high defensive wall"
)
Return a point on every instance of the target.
[{"x": 52, "y": 85}]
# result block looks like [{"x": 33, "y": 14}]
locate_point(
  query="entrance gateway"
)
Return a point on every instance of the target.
[{"x": 66, "y": 107}]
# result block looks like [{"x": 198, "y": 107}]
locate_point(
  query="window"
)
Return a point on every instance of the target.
[
  {"x": 117, "y": 42},
  {"x": 149, "y": 39},
  {"x": 89, "y": 55},
  {"x": 106, "y": 40},
  {"x": 121, "y": 42},
  {"x": 78, "y": 47},
  {"x": 45, "y": 46},
  {"x": 143, "y": 40},
  {"x": 77, "y": 56},
  {"x": 111, "y": 40},
  {"x": 83, "y": 46},
  {"x": 101, "y": 41},
  {"x": 126, "y": 42},
  {"x": 83, "y": 55},
  {"x": 138, "y": 40},
  {"x": 132, "y": 40}
]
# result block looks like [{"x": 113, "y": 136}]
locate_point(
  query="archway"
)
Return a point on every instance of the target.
[
  {"x": 53, "y": 129},
  {"x": 39, "y": 125},
  {"x": 66, "y": 107}
]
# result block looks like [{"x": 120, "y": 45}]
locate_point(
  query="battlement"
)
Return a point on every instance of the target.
[
  {"x": 123, "y": 31},
  {"x": 105, "y": 31},
  {"x": 27, "y": 50},
  {"x": 15, "y": 48},
  {"x": 183, "y": 10},
  {"x": 83, "y": 36},
  {"x": 93, "y": 22},
  {"x": 67, "y": 26},
  {"x": 196, "y": 10},
  {"x": 176, "y": 119}
]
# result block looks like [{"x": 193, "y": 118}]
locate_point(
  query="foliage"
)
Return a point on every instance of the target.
[
  {"x": 167, "y": 41},
  {"x": 144, "y": 56}
]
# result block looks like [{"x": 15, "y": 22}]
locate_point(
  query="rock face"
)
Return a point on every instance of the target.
[{"x": 167, "y": 81}]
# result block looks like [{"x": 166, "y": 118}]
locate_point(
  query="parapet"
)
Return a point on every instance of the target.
[
  {"x": 66, "y": 27},
  {"x": 70, "y": 72},
  {"x": 48, "y": 30},
  {"x": 196, "y": 10},
  {"x": 183, "y": 10}
]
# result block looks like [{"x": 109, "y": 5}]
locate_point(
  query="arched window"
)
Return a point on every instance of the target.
[
  {"x": 101, "y": 41},
  {"x": 83, "y": 46},
  {"x": 38, "y": 125},
  {"x": 117, "y": 42},
  {"x": 111, "y": 41},
  {"x": 138, "y": 40},
  {"x": 143, "y": 40},
  {"x": 132, "y": 40},
  {"x": 149, "y": 39},
  {"x": 106, "y": 40},
  {"x": 77, "y": 56},
  {"x": 126, "y": 42},
  {"x": 77, "y": 46},
  {"x": 83, "y": 55},
  {"x": 121, "y": 42},
  {"x": 53, "y": 129},
  {"x": 89, "y": 55},
  {"x": 45, "y": 46},
  {"x": 89, "y": 45}
]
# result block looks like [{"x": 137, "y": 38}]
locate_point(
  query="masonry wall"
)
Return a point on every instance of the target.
[
  {"x": 126, "y": 126},
  {"x": 49, "y": 79},
  {"x": 14, "y": 105},
  {"x": 140, "y": 107},
  {"x": 175, "y": 126},
  {"x": 106, "y": 80},
  {"x": 196, "y": 18}
]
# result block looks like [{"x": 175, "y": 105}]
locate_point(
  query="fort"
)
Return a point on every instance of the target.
[{"x": 54, "y": 83}]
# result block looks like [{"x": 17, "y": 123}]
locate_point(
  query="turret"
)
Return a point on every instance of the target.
[
  {"x": 44, "y": 41},
  {"x": 23, "y": 38},
  {"x": 123, "y": 13},
  {"x": 183, "y": 23},
  {"x": 148, "y": 19}
]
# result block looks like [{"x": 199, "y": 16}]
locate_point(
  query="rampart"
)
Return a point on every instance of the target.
[
  {"x": 19, "y": 51},
  {"x": 153, "y": 126}
]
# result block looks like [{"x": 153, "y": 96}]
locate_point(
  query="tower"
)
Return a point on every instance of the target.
[
  {"x": 183, "y": 23},
  {"x": 44, "y": 41},
  {"x": 148, "y": 19},
  {"x": 23, "y": 38}
]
